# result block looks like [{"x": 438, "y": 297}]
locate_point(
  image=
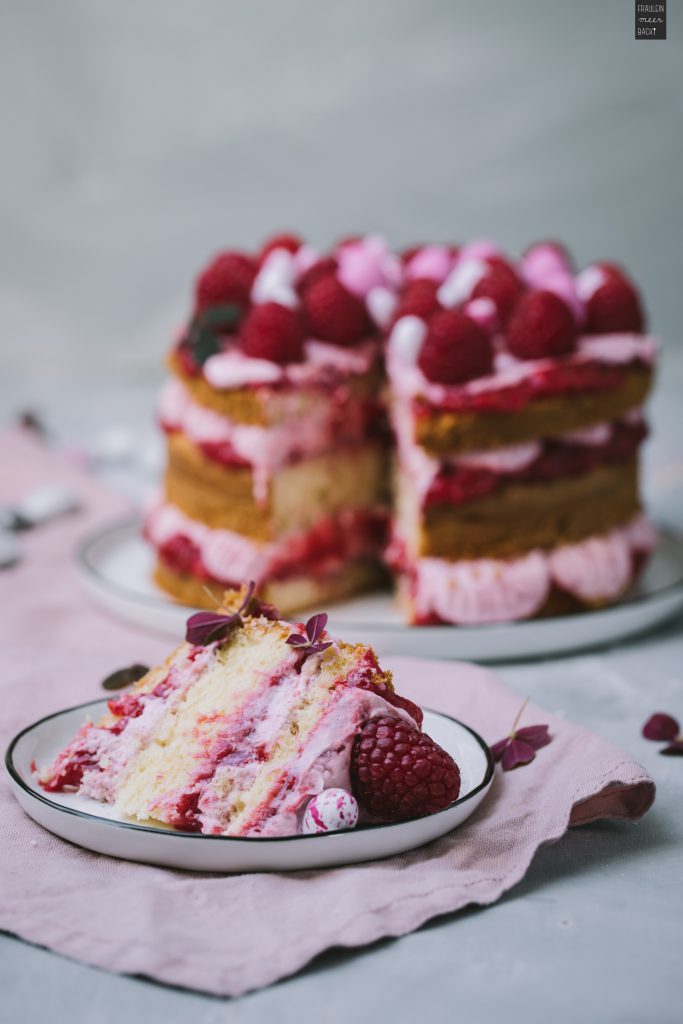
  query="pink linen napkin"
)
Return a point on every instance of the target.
[{"x": 230, "y": 934}]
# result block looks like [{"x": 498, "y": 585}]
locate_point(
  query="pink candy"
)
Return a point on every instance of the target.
[{"x": 329, "y": 811}]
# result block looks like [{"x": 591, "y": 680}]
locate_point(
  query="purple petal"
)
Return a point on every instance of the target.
[
  {"x": 296, "y": 640},
  {"x": 674, "y": 749},
  {"x": 517, "y": 753},
  {"x": 499, "y": 748},
  {"x": 205, "y": 627},
  {"x": 319, "y": 648},
  {"x": 316, "y": 626},
  {"x": 661, "y": 727},
  {"x": 535, "y": 735}
]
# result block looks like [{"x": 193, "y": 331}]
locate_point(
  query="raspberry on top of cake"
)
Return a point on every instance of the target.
[{"x": 253, "y": 727}]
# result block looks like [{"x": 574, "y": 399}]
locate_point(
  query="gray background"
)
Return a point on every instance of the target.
[
  {"x": 136, "y": 139},
  {"x": 139, "y": 137}
]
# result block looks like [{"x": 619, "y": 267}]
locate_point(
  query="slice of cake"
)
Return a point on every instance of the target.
[
  {"x": 516, "y": 404},
  {"x": 253, "y": 728},
  {"x": 276, "y": 436}
]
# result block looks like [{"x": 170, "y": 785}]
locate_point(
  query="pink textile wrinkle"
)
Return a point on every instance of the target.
[{"x": 171, "y": 925}]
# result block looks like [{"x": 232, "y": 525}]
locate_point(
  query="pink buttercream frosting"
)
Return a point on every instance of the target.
[
  {"x": 487, "y": 590},
  {"x": 367, "y": 264}
]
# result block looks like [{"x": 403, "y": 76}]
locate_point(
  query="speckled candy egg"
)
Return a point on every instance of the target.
[{"x": 330, "y": 810}]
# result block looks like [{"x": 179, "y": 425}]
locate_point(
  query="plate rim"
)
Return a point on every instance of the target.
[
  {"x": 126, "y": 523},
  {"x": 153, "y": 830}
]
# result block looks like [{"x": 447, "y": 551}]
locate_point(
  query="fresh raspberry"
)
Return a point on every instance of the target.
[
  {"x": 541, "y": 326},
  {"x": 227, "y": 280},
  {"x": 455, "y": 350},
  {"x": 322, "y": 268},
  {"x": 419, "y": 299},
  {"x": 398, "y": 772},
  {"x": 615, "y": 306},
  {"x": 334, "y": 314},
  {"x": 275, "y": 332},
  {"x": 292, "y": 243},
  {"x": 501, "y": 285}
]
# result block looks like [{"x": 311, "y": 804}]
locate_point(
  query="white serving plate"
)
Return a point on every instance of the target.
[
  {"x": 94, "y": 826},
  {"x": 116, "y": 566}
]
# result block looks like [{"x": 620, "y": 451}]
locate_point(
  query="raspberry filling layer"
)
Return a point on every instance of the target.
[
  {"x": 97, "y": 755},
  {"x": 456, "y": 484},
  {"x": 186, "y": 546},
  {"x": 333, "y": 418}
]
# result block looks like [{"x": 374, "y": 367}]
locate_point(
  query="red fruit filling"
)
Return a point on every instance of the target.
[
  {"x": 457, "y": 485},
  {"x": 324, "y": 549},
  {"x": 181, "y": 555},
  {"x": 398, "y": 772},
  {"x": 367, "y": 675},
  {"x": 561, "y": 379}
]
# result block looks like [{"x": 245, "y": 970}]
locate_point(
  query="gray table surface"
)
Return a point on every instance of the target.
[{"x": 596, "y": 921}]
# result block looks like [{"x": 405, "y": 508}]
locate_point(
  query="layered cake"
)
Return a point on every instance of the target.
[
  {"x": 253, "y": 728},
  {"x": 276, "y": 443},
  {"x": 515, "y": 393},
  {"x": 516, "y": 403}
]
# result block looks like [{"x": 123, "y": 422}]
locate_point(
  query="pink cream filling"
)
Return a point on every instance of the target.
[
  {"x": 489, "y": 590},
  {"x": 423, "y": 468},
  {"x": 228, "y": 557},
  {"x": 331, "y": 422},
  {"x": 324, "y": 364}
]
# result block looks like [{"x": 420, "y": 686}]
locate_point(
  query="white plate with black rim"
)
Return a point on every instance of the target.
[
  {"x": 116, "y": 566},
  {"x": 96, "y": 827}
]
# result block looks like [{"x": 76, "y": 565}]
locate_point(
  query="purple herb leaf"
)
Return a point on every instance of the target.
[
  {"x": 499, "y": 748},
  {"x": 674, "y": 749},
  {"x": 320, "y": 647},
  {"x": 535, "y": 735},
  {"x": 205, "y": 627},
  {"x": 661, "y": 727},
  {"x": 311, "y": 643},
  {"x": 517, "y": 753},
  {"x": 315, "y": 626}
]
